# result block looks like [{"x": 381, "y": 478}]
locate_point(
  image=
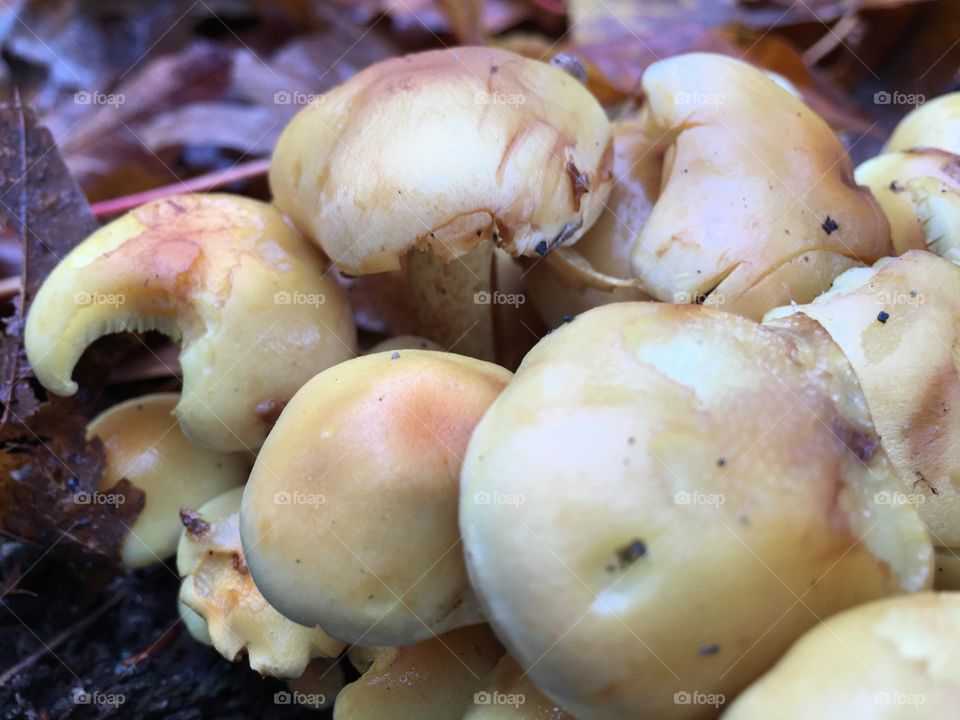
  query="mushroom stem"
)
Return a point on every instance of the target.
[{"x": 455, "y": 300}]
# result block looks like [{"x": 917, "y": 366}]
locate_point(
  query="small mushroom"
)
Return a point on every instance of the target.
[
  {"x": 218, "y": 587},
  {"x": 507, "y": 693},
  {"x": 349, "y": 518},
  {"x": 245, "y": 296},
  {"x": 645, "y": 502},
  {"x": 915, "y": 189},
  {"x": 458, "y": 150},
  {"x": 758, "y": 205},
  {"x": 597, "y": 271},
  {"x": 143, "y": 444},
  {"x": 907, "y": 367},
  {"x": 894, "y": 658},
  {"x": 933, "y": 124},
  {"x": 432, "y": 680}
]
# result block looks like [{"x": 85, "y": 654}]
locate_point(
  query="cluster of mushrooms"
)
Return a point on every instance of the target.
[{"x": 725, "y": 482}]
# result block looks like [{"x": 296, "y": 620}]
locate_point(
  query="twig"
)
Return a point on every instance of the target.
[
  {"x": 833, "y": 38},
  {"x": 158, "y": 645},
  {"x": 61, "y": 638},
  {"x": 201, "y": 183}
]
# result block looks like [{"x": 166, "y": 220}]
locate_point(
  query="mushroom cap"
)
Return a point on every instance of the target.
[
  {"x": 895, "y": 658},
  {"x": 597, "y": 270},
  {"x": 349, "y": 518},
  {"x": 899, "y": 181},
  {"x": 144, "y": 445},
  {"x": 404, "y": 342},
  {"x": 934, "y": 124},
  {"x": 644, "y": 504},
  {"x": 217, "y": 586},
  {"x": 507, "y": 693},
  {"x": 947, "y": 569},
  {"x": 906, "y": 364},
  {"x": 759, "y": 205},
  {"x": 442, "y": 150},
  {"x": 432, "y": 680},
  {"x": 227, "y": 277}
]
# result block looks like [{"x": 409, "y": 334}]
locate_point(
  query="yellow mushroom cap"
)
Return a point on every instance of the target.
[
  {"x": 349, "y": 519},
  {"x": 144, "y": 445},
  {"x": 443, "y": 150},
  {"x": 647, "y": 500},
  {"x": 898, "y": 323},
  {"x": 597, "y": 270},
  {"x": 934, "y": 124},
  {"x": 759, "y": 205},
  {"x": 246, "y": 297},
  {"x": 217, "y": 586},
  {"x": 891, "y": 659},
  {"x": 432, "y": 680},
  {"x": 901, "y": 183}
]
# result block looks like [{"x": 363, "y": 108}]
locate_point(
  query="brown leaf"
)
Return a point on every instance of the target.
[{"x": 45, "y": 459}]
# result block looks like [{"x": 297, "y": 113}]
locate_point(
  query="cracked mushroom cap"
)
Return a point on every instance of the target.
[
  {"x": 597, "y": 270},
  {"x": 640, "y": 522},
  {"x": 934, "y": 124},
  {"x": 443, "y": 150},
  {"x": 349, "y": 518},
  {"x": 217, "y": 586},
  {"x": 144, "y": 445},
  {"x": 432, "y": 680},
  {"x": 891, "y": 659},
  {"x": 919, "y": 191},
  {"x": 898, "y": 323},
  {"x": 758, "y": 205},
  {"x": 246, "y": 297}
]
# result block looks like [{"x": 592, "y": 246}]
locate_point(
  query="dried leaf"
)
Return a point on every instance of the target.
[{"x": 45, "y": 460}]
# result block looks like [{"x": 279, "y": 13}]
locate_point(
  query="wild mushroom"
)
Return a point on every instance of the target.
[
  {"x": 933, "y": 124},
  {"x": 244, "y": 295},
  {"x": 432, "y": 680},
  {"x": 444, "y": 152},
  {"x": 349, "y": 518},
  {"x": 897, "y": 324},
  {"x": 597, "y": 271},
  {"x": 895, "y": 658},
  {"x": 758, "y": 205},
  {"x": 217, "y": 586},
  {"x": 917, "y": 179},
  {"x": 914, "y": 188},
  {"x": 144, "y": 445},
  {"x": 669, "y": 514},
  {"x": 508, "y": 694}
]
